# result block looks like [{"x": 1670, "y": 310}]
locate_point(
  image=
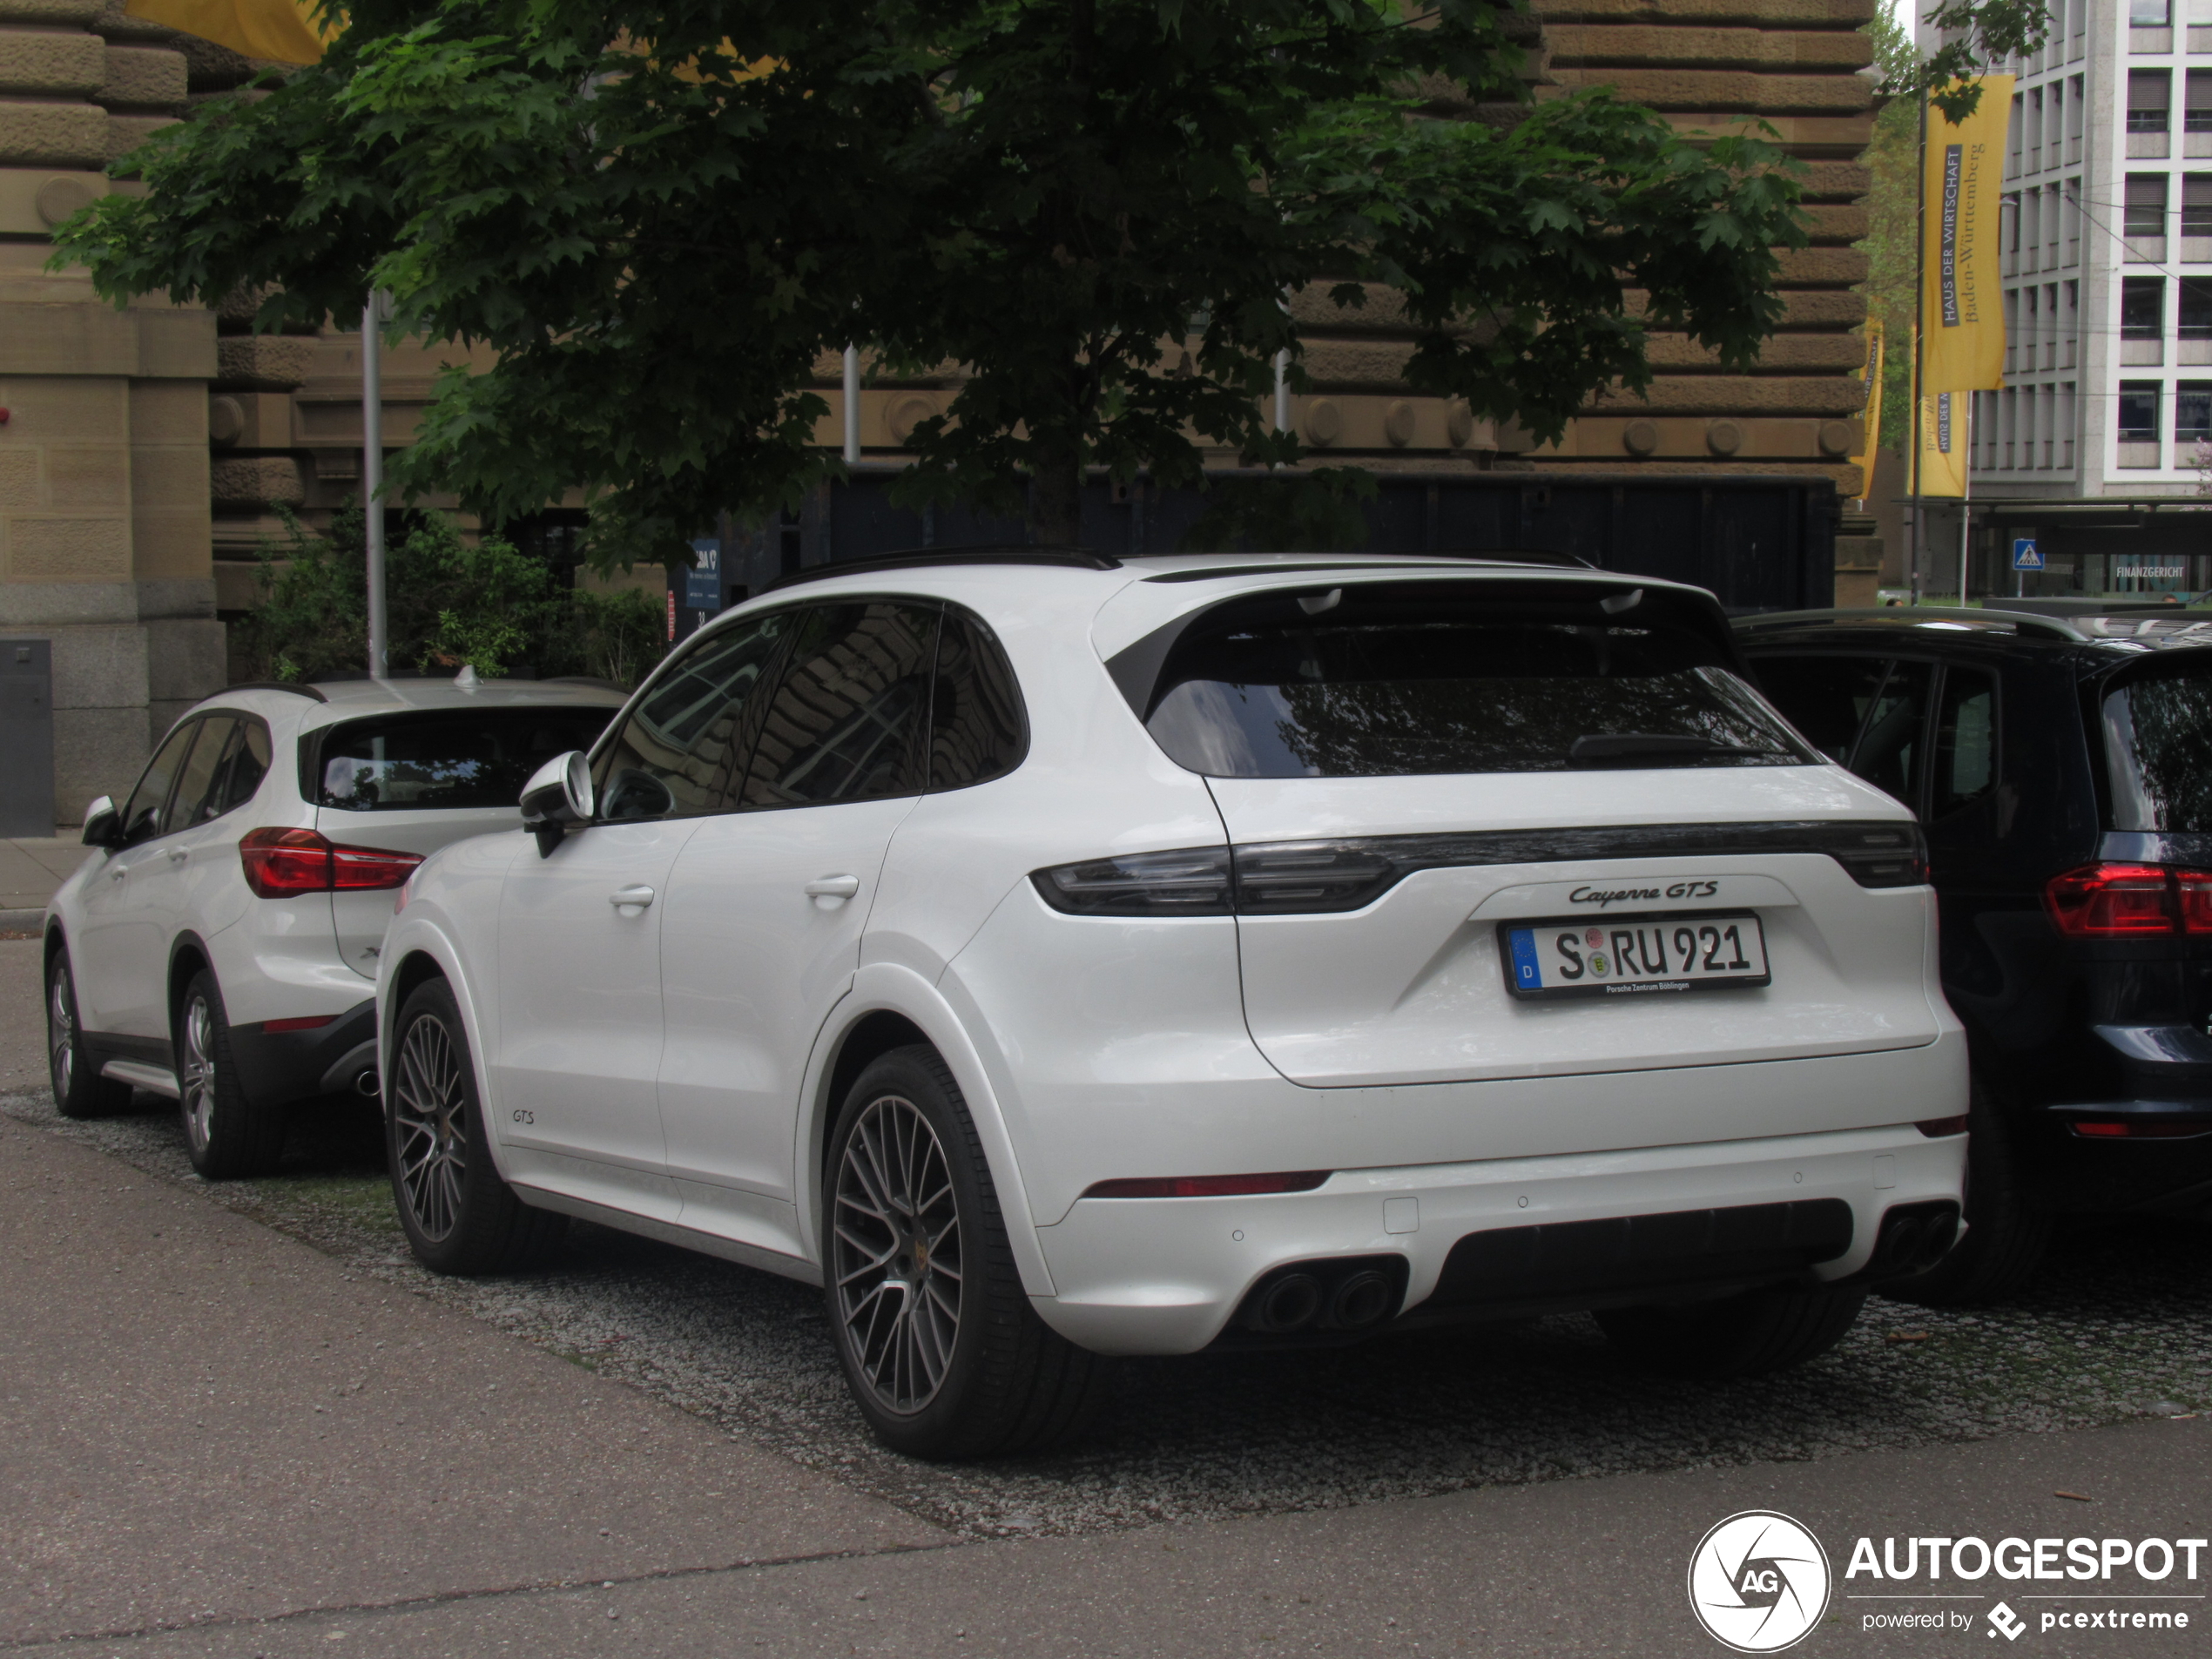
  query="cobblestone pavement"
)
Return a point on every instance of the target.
[{"x": 2120, "y": 1328}]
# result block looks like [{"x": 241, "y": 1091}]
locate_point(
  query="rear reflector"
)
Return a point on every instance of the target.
[
  {"x": 1209, "y": 1186},
  {"x": 2130, "y": 902},
  {"x": 307, "y": 1022},
  {"x": 1934, "y": 1128},
  {"x": 284, "y": 863},
  {"x": 2142, "y": 1129}
]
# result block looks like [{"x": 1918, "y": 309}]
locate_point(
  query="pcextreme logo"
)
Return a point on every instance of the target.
[{"x": 1758, "y": 1581}]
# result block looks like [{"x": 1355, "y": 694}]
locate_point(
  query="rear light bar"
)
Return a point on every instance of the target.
[
  {"x": 2130, "y": 902},
  {"x": 1208, "y": 1186},
  {"x": 2142, "y": 1129},
  {"x": 284, "y": 863},
  {"x": 1289, "y": 878}
]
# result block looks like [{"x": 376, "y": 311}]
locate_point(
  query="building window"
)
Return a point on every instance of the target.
[
  {"x": 2196, "y": 113},
  {"x": 2197, "y": 205},
  {"x": 2195, "y": 307},
  {"x": 2193, "y": 411},
  {"x": 2145, "y": 213},
  {"x": 2150, "y": 100},
  {"x": 2139, "y": 411},
  {"x": 2142, "y": 307},
  {"x": 2150, "y": 14}
]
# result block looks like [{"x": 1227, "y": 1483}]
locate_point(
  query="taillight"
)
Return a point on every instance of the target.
[
  {"x": 1190, "y": 883},
  {"x": 284, "y": 863},
  {"x": 2130, "y": 902}
]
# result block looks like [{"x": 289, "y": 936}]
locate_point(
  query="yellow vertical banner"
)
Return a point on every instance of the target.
[
  {"x": 1962, "y": 305},
  {"x": 1943, "y": 442},
  {"x": 1871, "y": 413}
]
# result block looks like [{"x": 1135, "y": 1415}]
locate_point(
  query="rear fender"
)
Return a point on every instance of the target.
[{"x": 890, "y": 987}]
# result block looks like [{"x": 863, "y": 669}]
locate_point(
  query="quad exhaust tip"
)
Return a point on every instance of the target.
[{"x": 1349, "y": 1297}]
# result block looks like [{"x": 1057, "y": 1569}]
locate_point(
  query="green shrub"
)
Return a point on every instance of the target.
[{"x": 449, "y": 602}]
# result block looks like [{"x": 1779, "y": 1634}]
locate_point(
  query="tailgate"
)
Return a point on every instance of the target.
[{"x": 1413, "y": 985}]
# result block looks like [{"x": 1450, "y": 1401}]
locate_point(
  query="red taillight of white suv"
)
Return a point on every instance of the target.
[
  {"x": 2130, "y": 902},
  {"x": 284, "y": 863}
]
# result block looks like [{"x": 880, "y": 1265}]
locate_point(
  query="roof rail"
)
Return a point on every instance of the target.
[
  {"x": 294, "y": 686},
  {"x": 1080, "y": 558},
  {"x": 1478, "y": 555},
  {"x": 2022, "y": 621}
]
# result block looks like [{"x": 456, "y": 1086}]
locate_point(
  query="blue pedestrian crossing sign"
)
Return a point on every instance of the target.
[{"x": 2026, "y": 557}]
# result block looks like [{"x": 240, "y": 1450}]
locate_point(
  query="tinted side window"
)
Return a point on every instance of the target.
[
  {"x": 847, "y": 721},
  {"x": 1965, "y": 741},
  {"x": 976, "y": 729},
  {"x": 680, "y": 752},
  {"x": 249, "y": 764},
  {"x": 142, "y": 813},
  {"x": 1825, "y": 698},
  {"x": 2158, "y": 747},
  {"x": 1888, "y": 755},
  {"x": 197, "y": 776}
]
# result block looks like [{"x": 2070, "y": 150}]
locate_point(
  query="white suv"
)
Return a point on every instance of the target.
[
  {"x": 219, "y": 946},
  {"x": 1054, "y": 957}
]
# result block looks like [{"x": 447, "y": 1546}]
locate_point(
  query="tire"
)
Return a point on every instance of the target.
[
  {"x": 944, "y": 1362},
  {"x": 227, "y": 1135},
  {"x": 2006, "y": 1230},
  {"x": 79, "y": 1091},
  {"x": 1749, "y": 1335},
  {"x": 460, "y": 1216}
]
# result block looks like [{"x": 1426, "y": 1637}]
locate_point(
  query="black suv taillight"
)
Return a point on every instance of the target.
[{"x": 2130, "y": 902}]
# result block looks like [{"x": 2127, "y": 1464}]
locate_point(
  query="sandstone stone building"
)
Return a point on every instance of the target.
[{"x": 143, "y": 449}]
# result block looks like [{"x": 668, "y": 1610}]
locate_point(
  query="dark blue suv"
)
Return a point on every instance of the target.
[{"x": 2062, "y": 769}]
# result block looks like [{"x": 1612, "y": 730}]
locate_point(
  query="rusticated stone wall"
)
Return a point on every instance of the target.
[{"x": 103, "y": 506}]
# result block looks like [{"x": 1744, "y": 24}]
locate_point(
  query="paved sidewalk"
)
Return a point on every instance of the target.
[{"x": 30, "y": 868}]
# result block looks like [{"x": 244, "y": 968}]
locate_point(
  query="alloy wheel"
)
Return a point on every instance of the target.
[
  {"x": 60, "y": 1032},
  {"x": 430, "y": 1122},
  {"x": 196, "y": 1079},
  {"x": 897, "y": 1255}
]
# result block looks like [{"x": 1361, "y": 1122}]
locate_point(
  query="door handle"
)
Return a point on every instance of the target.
[
  {"x": 630, "y": 899},
  {"x": 833, "y": 886},
  {"x": 118, "y": 872},
  {"x": 178, "y": 855}
]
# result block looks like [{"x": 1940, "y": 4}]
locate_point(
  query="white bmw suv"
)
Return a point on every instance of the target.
[
  {"x": 219, "y": 945},
  {"x": 1054, "y": 956}
]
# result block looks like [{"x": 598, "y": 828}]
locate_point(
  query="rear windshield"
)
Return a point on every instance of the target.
[
  {"x": 1391, "y": 682},
  {"x": 2158, "y": 749},
  {"x": 462, "y": 759}
]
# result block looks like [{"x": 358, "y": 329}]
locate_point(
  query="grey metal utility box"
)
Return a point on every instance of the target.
[{"x": 26, "y": 737}]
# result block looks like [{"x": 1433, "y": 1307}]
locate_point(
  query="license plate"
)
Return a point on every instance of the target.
[{"x": 1635, "y": 955}]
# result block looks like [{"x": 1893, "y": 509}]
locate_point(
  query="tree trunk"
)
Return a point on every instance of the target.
[{"x": 1055, "y": 502}]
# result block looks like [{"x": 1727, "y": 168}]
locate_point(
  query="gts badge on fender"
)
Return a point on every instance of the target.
[{"x": 1602, "y": 896}]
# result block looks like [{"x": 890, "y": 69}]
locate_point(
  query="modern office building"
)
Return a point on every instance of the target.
[{"x": 2099, "y": 449}]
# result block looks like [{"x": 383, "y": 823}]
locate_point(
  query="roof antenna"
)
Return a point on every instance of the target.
[{"x": 466, "y": 679}]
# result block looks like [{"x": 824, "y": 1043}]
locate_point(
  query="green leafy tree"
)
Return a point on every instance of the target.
[{"x": 662, "y": 216}]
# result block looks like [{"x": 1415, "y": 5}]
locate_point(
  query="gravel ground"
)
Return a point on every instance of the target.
[{"x": 2121, "y": 1327}]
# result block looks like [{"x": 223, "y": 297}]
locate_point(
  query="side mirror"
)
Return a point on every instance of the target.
[
  {"x": 102, "y": 823},
  {"x": 557, "y": 797}
]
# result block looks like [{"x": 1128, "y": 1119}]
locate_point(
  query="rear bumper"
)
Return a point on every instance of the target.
[
  {"x": 278, "y": 1066},
  {"x": 2159, "y": 1158},
  {"x": 1165, "y": 1275}
]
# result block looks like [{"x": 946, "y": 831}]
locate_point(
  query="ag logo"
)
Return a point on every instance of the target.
[{"x": 1758, "y": 1581}]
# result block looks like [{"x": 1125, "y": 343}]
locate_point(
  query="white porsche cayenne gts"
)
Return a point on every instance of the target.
[{"x": 1054, "y": 957}]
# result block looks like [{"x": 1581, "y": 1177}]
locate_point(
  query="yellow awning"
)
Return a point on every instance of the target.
[{"x": 283, "y": 31}]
